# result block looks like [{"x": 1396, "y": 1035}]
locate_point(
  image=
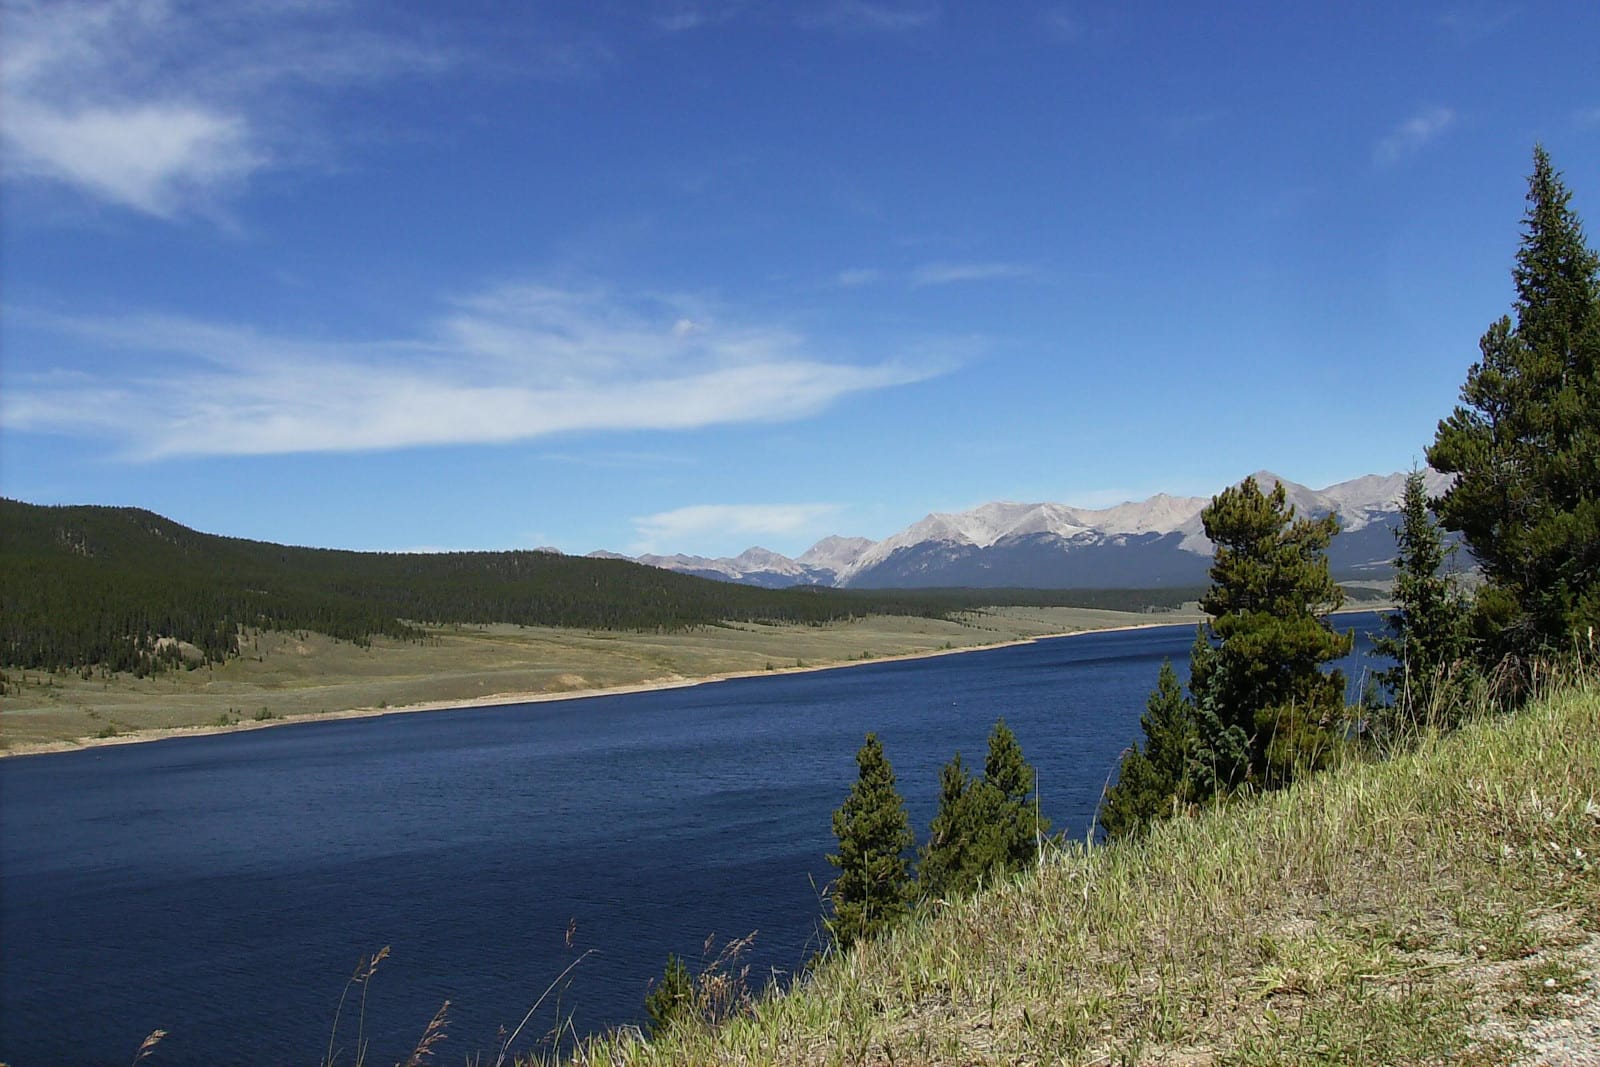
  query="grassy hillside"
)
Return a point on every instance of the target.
[
  {"x": 1442, "y": 907},
  {"x": 84, "y": 587}
]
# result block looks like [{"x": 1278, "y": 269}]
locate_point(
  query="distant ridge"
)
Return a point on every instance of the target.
[
  {"x": 1153, "y": 543},
  {"x": 126, "y": 589}
]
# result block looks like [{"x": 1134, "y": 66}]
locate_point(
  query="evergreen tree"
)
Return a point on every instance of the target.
[
  {"x": 1017, "y": 824},
  {"x": 956, "y": 858},
  {"x": 672, "y": 997},
  {"x": 873, "y": 889},
  {"x": 1264, "y": 707},
  {"x": 984, "y": 829},
  {"x": 1426, "y": 635},
  {"x": 1525, "y": 440},
  {"x": 1155, "y": 782}
]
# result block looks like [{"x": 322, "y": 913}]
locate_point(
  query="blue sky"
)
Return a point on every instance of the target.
[{"x": 693, "y": 276}]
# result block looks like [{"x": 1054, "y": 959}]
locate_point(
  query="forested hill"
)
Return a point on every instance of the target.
[{"x": 101, "y": 586}]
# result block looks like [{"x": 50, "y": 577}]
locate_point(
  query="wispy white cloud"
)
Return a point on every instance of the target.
[
  {"x": 952, "y": 273},
  {"x": 510, "y": 364},
  {"x": 166, "y": 108},
  {"x": 680, "y": 526},
  {"x": 850, "y": 17},
  {"x": 1588, "y": 116},
  {"x": 150, "y": 157},
  {"x": 682, "y": 17},
  {"x": 1412, "y": 135},
  {"x": 864, "y": 16},
  {"x": 937, "y": 273},
  {"x": 858, "y": 276}
]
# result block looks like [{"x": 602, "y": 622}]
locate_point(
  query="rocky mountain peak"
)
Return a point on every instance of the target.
[{"x": 1157, "y": 541}]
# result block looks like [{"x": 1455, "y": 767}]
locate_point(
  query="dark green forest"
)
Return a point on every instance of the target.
[{"x": 100, "y": 587}]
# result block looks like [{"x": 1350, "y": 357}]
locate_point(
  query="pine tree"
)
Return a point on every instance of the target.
[
  {"x": 953, "y": 862},
  {"x": 873, "y": 889},
  {"x": 672, "y": 997},
  {"x": 1155, "y": 782},
  {"x": 1264, "y": 707},
  {"x": 984, "y": 829},
  {"x": 1018, "y": 827},
  {"x": 1525, "y": 440},
  {"x": 1427, "y": 637}
]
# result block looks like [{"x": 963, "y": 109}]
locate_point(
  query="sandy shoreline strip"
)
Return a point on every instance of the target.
[{"x": 493, "y": 700}]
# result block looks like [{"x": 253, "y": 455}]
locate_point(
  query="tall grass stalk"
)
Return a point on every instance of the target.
[
  {"x": 432, "y": 1035},
  {"x": 366, "y": 967},
  {"x": 511, "y": 1040},
  {"x": 147, "y": 1046}
]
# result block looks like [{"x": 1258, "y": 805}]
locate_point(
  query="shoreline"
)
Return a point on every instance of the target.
[
  {"x": 511, "y": 697},
  {"x": 506, "y": 699}
]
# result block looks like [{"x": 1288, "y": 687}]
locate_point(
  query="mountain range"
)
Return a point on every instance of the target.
[{"x": 1135, "y": 545}]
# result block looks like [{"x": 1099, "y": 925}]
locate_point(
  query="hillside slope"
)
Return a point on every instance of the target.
[
  {"x": 1443, "y": 907},
  {"x": 100, "y": 586}
]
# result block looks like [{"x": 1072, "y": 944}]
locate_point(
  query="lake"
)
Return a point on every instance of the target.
[{"x": 224, "y": 887}]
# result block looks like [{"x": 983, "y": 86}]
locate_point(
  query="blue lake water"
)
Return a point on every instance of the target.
[{"x": 223, "y": 888}]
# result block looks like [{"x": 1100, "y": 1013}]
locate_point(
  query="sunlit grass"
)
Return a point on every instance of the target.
[{"x": 1380, "y": 913}]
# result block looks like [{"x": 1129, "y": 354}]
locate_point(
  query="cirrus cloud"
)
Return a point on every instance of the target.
[
  {"x": 861, "y": 16},
  {"x": 166, "y": 108},
  {"x": 510, "y": 364},
  {"x": 936, "y": 273},
  {"x": 1412, "y": 135},
  {"x": 697, "y": 521},
  {"x": 952, "y": 273}
]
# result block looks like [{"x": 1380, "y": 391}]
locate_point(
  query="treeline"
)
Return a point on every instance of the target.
[
  {"x": 120, "y": 588},
  {"x": 92, "y": 586}
]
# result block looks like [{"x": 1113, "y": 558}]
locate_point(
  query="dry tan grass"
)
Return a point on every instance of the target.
[{"x": 286, "y": 675}]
